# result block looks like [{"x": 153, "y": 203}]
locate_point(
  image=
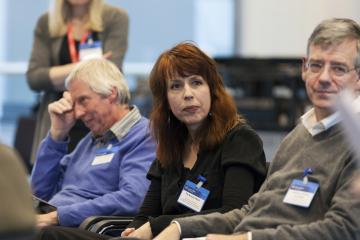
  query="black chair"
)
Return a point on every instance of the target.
[
  {"x": 24, "y": 138},
  {"x": 106, "y": 225}
]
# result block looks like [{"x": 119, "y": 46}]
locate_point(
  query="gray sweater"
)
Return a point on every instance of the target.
[{"x": 333, "y": 214}]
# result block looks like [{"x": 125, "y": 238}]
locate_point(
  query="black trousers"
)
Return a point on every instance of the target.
[{"x": 66, "y": 233}]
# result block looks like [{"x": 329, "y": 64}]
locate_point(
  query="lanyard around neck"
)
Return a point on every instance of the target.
[{"x": 74, "y": 55}]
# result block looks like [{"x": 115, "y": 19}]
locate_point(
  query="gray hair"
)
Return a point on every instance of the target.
[
  {"x": 332, "y": 32},
  {"x": 102, "y": 76}
]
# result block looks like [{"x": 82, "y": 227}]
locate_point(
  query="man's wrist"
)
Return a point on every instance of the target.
[
  {"x": 54, "y": 217},
  {"x": 58, "y": 136}
]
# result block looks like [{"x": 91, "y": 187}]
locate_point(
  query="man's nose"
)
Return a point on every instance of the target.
[{"x": 325, "y": 75}]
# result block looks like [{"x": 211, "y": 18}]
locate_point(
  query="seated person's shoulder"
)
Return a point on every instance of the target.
[
  {"x": 16, "y": 202},
  {"x": 10, "y": 160},
  {"x": 245, "y": 136}
]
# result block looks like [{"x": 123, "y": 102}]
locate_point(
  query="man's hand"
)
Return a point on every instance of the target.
[
  {"x": 226, "y": 237},
  {"x": 62, "y": 117},
  {"x": 143, "y": 232},
  {"x": 43, "y": 220},
  {"x": 171, "y": 232}
]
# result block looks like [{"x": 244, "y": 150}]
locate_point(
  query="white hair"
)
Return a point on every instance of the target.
[{"x": 102, "y": 76}]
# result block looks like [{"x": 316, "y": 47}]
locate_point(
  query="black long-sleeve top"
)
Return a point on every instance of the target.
[{"x": 234, "y": 171}]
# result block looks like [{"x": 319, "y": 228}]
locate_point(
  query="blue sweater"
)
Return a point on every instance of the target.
[{"x": 79, "y": 188}]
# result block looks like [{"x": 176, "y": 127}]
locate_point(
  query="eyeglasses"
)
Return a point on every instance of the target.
[{"x": 337, "y": 70}]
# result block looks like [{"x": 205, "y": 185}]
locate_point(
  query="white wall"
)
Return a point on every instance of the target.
[
  {"x": 214, "y": 26},
  {"x": 271, "y": 28}
]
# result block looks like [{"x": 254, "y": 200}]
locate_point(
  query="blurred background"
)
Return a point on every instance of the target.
[{"x": 257, "y": 43}]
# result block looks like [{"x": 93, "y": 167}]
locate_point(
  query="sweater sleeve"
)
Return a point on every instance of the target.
[
  {"x": 151, "y": 206},
  {"x": 48, "y": 171},
  {"x": 37, "y": 73},
  {"x": 201, "y": 225},
  {"x": 243, "y": 147}
]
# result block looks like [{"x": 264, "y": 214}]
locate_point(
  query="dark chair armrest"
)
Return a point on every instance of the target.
[
  {"x": 104, "y": 224},
  {"x": 88, "y": 222}
]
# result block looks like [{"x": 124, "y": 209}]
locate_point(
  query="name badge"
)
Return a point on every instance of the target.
[
  {"x": 193, "y": 196},
  {"x": 90, "y": 50},
  {"x": 301, "y": 194},
  {"x": 104, "y": 155}
]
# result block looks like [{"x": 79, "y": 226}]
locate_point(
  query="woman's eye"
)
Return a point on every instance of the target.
[
  {"x": 174, "y": 86},
  {"x": 197, "y": 82}
]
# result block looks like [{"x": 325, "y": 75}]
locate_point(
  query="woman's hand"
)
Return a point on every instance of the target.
[
  {"x": 143, "y": 232},
  {"x": 107, "y": 55},
  {"x": 127, "y": 231}
]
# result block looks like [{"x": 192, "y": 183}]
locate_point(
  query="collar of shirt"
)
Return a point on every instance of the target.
[
  {"x": 122, "y": 127},
  {"x": 315, "y": 127}
]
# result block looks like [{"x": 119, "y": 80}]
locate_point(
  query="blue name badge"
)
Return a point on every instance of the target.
[
  {"x": 192, "y": 196},
  {"x": 301, "y": 194},
  {"x": 105, "y": 155}
]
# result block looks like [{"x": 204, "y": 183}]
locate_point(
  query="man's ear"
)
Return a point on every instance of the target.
[
  {"x": 113, "y": 97},
  {"x": 304, "y": 68},
  {"x": 356, "y": 86}
]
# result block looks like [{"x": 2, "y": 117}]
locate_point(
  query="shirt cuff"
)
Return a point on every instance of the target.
[
  {"x": 249, "y": 236},
  {"x": 177, "y": 225}
]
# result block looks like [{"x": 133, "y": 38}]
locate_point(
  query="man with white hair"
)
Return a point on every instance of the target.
[{"x": 106, "y": 172}]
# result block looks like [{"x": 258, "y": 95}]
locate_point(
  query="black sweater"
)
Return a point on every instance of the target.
[{"x": 233, "y": 171}]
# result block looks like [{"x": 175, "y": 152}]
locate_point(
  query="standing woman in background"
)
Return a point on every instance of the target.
[{"x": 100, "y": 29}]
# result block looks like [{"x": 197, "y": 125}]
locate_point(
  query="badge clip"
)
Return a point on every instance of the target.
[
  {"x": 307, "y": 171},
  {"x": 202, "y": 180}
]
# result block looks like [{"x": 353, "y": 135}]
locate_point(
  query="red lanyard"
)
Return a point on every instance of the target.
[{"x": 74, "y": 55}]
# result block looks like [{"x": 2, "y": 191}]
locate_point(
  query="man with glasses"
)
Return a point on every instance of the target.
[{"x": 306, "y": 194}]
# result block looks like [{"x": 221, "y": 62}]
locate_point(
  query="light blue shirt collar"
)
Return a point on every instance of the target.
[{"x": 315, "y": 127}]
